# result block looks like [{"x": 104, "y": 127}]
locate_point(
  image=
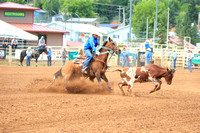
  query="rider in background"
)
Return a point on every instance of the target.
[
  {"x": 90, "y": 46},
  {"x": 41, "y": 43}
]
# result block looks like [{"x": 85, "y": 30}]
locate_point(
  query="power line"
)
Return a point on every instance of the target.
[{"x": 107, "y": 4}]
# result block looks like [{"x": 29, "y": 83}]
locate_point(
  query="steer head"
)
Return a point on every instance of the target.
[{"x": 169, "y": 76}]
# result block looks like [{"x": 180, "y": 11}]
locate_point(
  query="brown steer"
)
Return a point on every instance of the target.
[{"x": 151, "y": 72}]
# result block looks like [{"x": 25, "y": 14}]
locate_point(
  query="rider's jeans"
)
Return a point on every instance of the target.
[{"x": 89, "y": 57}]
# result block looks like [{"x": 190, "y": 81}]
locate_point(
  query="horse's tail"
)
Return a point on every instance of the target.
[
  {"x": 22, "y": 55},
  {"x": 58, "y": 74}
]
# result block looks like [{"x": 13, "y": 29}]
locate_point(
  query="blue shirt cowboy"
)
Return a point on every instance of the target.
[{"x": 90, "y": 44}]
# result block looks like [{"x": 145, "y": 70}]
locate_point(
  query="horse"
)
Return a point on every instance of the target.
[
  {"x": 96, "y": 69},
  {"x": 35, "y": 55}
]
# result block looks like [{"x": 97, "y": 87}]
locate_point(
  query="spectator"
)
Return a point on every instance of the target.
[
  {"x": 136, "y": 53},
  {"x": 124, "y": 56},
  {"x": 147, "y": 45},
  {"x": 174, "y": 57},
  {"x": 49, "y": 56},
  {"x": 64, "y": 55},
  {"x": 41, "y": 43},
  {"x": 5, "y": 43},
  {"x": 148, "y": 56},
  {"x": 190, "y": 55},
  {"x": 28, "y": 56},
  {"x": 14, "y": 43}
]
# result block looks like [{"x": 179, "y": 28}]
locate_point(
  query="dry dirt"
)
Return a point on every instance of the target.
[{"x": 27, "y": 106}]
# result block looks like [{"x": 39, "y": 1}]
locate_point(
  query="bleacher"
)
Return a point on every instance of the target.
[{"x": 21, "y": 45}]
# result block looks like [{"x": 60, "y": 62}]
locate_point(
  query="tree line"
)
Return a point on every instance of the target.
[{"x": 183, "y": 14}]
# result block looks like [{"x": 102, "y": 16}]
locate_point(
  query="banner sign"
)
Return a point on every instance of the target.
[
  {"x": 2, "y": 53},
  {"x": 196, "y": 59},
  {"x": 73, "y": 55},
  {"x": 14, "y": 14},
  {"x": 55, "y": 55}
]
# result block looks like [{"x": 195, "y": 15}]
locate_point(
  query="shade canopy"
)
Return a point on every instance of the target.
[{"x": 10, "y": 31}]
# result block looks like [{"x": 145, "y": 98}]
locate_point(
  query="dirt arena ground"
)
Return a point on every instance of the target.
[{"x": 27, "y": 106}]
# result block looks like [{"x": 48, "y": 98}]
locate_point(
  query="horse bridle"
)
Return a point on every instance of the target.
[{"x": 110, "y": 51}]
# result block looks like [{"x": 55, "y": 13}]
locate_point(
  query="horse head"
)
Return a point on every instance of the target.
[
  {"x": 169, "y": 76},
  {"x": 112, "y": 46}
]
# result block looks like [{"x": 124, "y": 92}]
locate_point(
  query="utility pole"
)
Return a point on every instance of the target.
[
  {"x": 124, "y": 16},
  {"x": 119, "y": 13},
  {"x": 147, "y": 29},
  {"x": 130, "y": 20},
  {"x": 27, "y": 2},
  {"x": 167, "y": 28},
  {"x": 156, "y": 13}
]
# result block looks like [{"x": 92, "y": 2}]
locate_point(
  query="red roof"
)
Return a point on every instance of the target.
[
  {"x": 37, "y": 28},
  {"x": 11, "y": 5},
  {"x": 115, "y": 23},
  {"x": 74, "y": 44}
]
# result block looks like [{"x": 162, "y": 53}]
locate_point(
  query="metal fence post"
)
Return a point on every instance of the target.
[{"x": 10, "y": 55}]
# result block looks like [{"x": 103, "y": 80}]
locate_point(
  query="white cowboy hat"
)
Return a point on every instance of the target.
[
  {"x": 96, "y": 33},
  {"x": 49, "y": 47},
  {"x": 29, "y": 48},
  {"x": 148, "y": 49}
]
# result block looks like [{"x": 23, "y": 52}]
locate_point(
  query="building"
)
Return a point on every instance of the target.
[
  {"x": 76, "y": 30},
  {"x": 121, "y": 34},
  {"x": 22, "y": 16}
]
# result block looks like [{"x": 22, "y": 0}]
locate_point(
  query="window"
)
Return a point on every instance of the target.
[{"x": 115, "y": 36}]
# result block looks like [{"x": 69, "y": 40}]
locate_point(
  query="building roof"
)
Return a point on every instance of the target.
[
  {"x": 82, "y": 28},
  {"x": 108, "y": 25},
  {"x": 11, "y": 5},
  {"x": 82, "y": 20},
  {"x": 37, "y": 28},
  {"x": 74, "y": 44}
]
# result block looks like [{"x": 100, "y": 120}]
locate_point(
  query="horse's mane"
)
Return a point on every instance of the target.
[{"x": 104, "y": 44}]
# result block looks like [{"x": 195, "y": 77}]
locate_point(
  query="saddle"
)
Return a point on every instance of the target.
[{"x": 79, "y": 60}]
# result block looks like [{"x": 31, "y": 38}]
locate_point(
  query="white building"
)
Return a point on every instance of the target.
[
  {"x": 75, "y": 29},
  {"x": 121, "y": 34}
]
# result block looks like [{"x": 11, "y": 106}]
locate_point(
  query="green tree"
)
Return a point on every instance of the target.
[
  {"x": 83, "y": 8},
  {"x": 174, "y": 6},
  {"x": 40, "y": 4},
  {"x": 17, "y": 1},
  {"x": 2, "y": 1},
  {"x": 51, "y": 5}
]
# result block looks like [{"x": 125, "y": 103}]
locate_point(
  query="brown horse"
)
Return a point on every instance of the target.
[{"x": 97, "y": 67}]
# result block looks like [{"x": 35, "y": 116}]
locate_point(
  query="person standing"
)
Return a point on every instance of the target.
[
  {"x": 190, "y": 55},
  {"x": 174, "y": 57},
  {"x": 5, "y": 43},
  {"x": 14, "y": 43},
  {"x": 148, "y": 56},
  {"x": 64, "y": 55},
  {"x": 90, "y": 46},
  {"x": 41, "y": 43},
  {"x": 28, "y": 56},
  {"x": 49, "y": 56},
  {"x": 124, "y": 56}
]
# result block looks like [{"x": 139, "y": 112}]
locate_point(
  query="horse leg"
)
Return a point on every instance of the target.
[
  {"x": 98, "y": 76},
  {"x": 103, "y": 76},
  {"x": 121, "y": 84},
  {"x": 36, "y": 61},
  {"x": 92, "y": 78}
]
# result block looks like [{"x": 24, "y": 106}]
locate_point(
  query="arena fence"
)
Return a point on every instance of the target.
[{"x": 161, "y": 55}]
